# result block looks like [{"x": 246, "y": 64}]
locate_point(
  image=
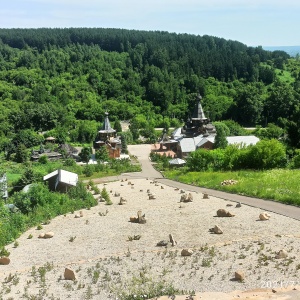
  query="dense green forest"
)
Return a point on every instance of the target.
[{"x": 63, "y": 80}]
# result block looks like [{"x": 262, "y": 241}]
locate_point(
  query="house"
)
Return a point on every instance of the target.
[
  {"x": 197, "y": 132},
  {"x": 106, "y": 137},
  {"x": 61, "y": 180},
  {"x": 3, "y": 187}
]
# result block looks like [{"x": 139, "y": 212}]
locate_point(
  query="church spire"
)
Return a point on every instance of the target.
[
  {"x": 198, "y": 113},
  {"x": 106, "y": 124}
]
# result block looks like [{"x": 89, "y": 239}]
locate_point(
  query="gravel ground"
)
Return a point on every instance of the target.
[{"x": 106, "y": 263}]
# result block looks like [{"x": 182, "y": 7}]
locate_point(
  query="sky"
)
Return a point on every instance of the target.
[{"x": 252, "y": 22}]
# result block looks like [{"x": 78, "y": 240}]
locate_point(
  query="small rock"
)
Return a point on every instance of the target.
[
  {"x": 224, "y": 213},
  {"x": 161, "y": 187},
  {"x": 281, "y": 254},
  {"x": 238, "y": 205},
  {"x": 41, "y": 235},
  {"x": 4, "y": 260},
  {"x": 122, "y": 201},
  {"x": 117, "y": 194},
  {"x": 69, "y": 274},
  {"x": 182, "y": 191},
  {"x": 205, "y": 196},
  {"x": 77, "y": 216},
  {"x": 217, "y": 230},
  {"x": 228, "y": 204},
  {"x": 186, "y": 252},
  {"x": 162, "y": 243},
  {"x": 172, "y": 240},
  {"x": 81, "y": 214},
  {"x": 239, "y": 276},
  {"x": 264, "y": 216},
  {"x": 133, "y": 219},
  {"x": 49, "y": 235}
]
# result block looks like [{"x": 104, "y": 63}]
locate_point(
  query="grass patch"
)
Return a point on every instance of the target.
[{"x": 281, "y": 185}]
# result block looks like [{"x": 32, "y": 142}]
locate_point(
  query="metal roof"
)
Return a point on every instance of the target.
[
  {"x": 205, "y": 140},
  {"x": 106, "y": 125},
  {"x": 66, "y": 177},
  {"x": 198, "y": 110},
  {"x": 187, "y": 145}
]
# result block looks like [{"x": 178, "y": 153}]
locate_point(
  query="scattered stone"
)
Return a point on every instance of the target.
[
  {"x": 4, "y": 260},
  {"x": 151, "y": 196},
  {"x": 41, "y": 235},
  {"x": 182, "y": 191},
  {"x": 239, "y": 275},
  {"x": 161, "y": 187},
  {"x": 156, "y": 184},
  {"x": 228, "y": 204},
  {"x": 141, "y": 190},
  {"x": 238, "y": 205},
  {"x": 186, "y": 198},
  {"x": 77, "y": 216},
  {"x": 81, "y": 214},
  {"x": 148, "y": 191},
  {"x": 122, "y": 201},
  {"x": 224, "y": 213},
  {"x": 117, "y": 194},
  {"x": 162, "y": 243},
  {"x": 186, "y": 252},
  {"x": 176, "y": 189},
  {"x": 129, "y": 183},
  {"x": 172, "y": 240},
  {"x": 69, "y": 274},
  {"x": 281, "y": 254},
  {"x": 205, "y": 196},
  {"x": 264, "y": 216},
  {"x": 49, "y": 235},
  {"x": 216, "y": 230},
  {"x": 229, "y": 182},
  {"x": 139, "y": 219},
  {"x": 133, "y": 219}
]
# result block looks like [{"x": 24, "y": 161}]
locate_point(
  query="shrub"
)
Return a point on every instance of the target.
[
  {"x": 88, "y": 170},
  {"x": 43, "y": 159},
  {"x": 105, "y": 196}
]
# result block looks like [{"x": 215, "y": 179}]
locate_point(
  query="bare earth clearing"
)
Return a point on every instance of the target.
[{"x": 97, "y": 247}]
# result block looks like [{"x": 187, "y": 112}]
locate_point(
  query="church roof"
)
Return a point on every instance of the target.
[
  {"x": 198, "y": 110},
  {"x": 106, "y": 125}
]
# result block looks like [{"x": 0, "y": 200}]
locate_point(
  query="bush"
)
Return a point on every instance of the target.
[
  {"x": 105, "y": 196},
  {"x": 88, "y": 170},
  {"x": 43, "y": 159}
]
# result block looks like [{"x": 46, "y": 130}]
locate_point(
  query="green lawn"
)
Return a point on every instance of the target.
[{"x": 279, "y": 184}]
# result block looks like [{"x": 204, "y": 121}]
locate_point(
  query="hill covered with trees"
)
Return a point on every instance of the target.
[{"x": 63, "y": 80}]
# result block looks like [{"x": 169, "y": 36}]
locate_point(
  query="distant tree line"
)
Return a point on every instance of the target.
[{"x": 63, "y": 80}]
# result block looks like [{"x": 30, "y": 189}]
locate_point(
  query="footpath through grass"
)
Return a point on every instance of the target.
[{"x": 278, "y": 184}]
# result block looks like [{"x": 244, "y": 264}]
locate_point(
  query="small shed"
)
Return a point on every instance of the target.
[
  {"x": 61, "y": 180},
  {"x": 50, "y": 139}
]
